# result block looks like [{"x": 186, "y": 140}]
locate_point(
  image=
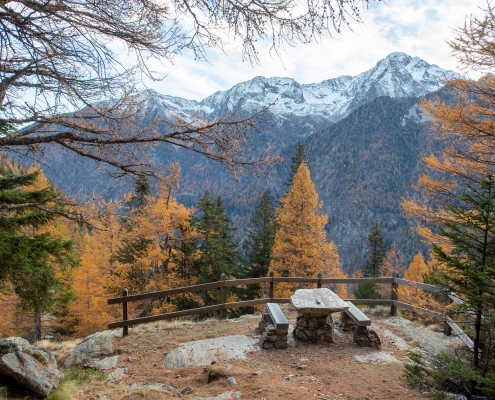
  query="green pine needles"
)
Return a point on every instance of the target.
[{"x": 28, "y": 255}]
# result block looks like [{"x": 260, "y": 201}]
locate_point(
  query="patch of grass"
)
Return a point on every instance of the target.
[
  {"x": 73, "y": 379},
  {"x": 84, "y": 375},
  {"x": 3, "y": 393},
  {"x": 215, "y": 373},
  {"x": 66, "y": 391}
]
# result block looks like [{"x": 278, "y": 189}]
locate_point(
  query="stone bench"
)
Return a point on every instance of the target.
[
  {"x": 354, "y": 319},
  {"x": 274, "y": 327}
]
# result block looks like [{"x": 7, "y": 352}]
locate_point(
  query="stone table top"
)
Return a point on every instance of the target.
[{"x": 317, "y": 301}]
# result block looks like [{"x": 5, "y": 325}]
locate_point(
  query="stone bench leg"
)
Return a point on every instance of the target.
[
  {"x": 270, "y": 336},
  {"x": 365, "y": 337}
]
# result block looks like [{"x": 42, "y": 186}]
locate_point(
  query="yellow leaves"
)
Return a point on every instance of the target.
[
  {"x": 300, "y": 247},
  {"x": 417, "y": 269}
]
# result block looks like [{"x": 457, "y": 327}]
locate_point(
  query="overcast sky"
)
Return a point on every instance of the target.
[{"x": 416, "y": 27}]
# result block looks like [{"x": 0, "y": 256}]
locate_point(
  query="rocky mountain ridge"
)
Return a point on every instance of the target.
[{"x": 398, "y": 75}]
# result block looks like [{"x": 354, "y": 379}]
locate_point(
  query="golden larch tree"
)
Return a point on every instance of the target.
[
  {"x": 90, "y": 307},
  {"x": 301, "y": 247},
  {"x": 418, "y": 270}
]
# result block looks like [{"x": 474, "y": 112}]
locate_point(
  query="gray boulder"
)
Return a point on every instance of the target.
[
  {"x": 91, "y": 348},
  {"x": 23, "y": 364}
]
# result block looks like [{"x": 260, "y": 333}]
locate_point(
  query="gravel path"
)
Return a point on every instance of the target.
[{"x": 429, "y": 341}]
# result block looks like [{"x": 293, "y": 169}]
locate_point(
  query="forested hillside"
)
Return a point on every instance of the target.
[{"x": 362, "y": 166}]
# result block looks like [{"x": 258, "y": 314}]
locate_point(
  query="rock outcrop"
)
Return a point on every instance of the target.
[
  {"x": 92, "y": 348},
  {"x": 32, "y": 368}
]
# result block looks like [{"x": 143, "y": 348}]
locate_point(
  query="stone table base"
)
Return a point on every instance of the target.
[{"x": 314, "y": 328}]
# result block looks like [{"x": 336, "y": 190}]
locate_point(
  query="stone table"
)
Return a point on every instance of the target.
[{"x": 314, "y": 317}]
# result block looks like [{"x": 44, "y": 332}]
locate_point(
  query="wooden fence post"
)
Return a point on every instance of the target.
[
  {"x": 223, "y": 291},
  {"x": 394, "y": 295},
  {"x": 125, "y": 293},
  {"x": 270, "y": 292},
  {"x": 319, "y": 280}
]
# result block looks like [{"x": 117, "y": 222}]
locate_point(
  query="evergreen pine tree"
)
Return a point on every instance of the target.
[
  {"x": 299, "y": 158},
  {"x": 259, "y": 242},
  {"x": 132, "y": 248},
  {"x": 378, "y": 251},
  {"x": 218, "y": 250},
  {"x": 468, "y": 266},
  {"x": 28, "y": 258}
]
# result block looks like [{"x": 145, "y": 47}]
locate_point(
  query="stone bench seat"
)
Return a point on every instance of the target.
[
  {"x": 358, "y": 317},
  {"x": 278, "y": 317}
]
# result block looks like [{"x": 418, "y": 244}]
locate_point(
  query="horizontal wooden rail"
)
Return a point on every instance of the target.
[
  {"x": 271, "y": 280},
  {"x": 219, "y": 307},
  {"x": 465, "y": 338},
  {"x": 164, "y": 293},
  {"x": 371, "y": 302},
  {"x": 242, "y": 282},
  {"x": 356, "y": 280},
  {"x": 410, "y": 307},
  {"x": 419, "y": 285}
]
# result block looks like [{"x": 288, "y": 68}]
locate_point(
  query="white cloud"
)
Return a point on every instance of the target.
[{"x": 419, "y": 28}]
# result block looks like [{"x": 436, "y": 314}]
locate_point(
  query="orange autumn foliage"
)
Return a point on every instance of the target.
[{"x": 301, "y": 247}]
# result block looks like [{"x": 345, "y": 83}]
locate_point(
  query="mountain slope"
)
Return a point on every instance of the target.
[{"x": 364, "y": 149}]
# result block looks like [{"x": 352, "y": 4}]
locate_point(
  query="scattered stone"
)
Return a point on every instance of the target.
[
  {"x": 304, "y": 359},
  {"x": 231, "y": 381},
  {"x": 301, "y": 366},
  {"x": 257, "y": 373},
  {"x": 262, "y": 390},
  {"x": 203, "y": 352},
  {"x": 290, "y": 376},
  {"x": 116, "y": 375},
  {"x": 223, "y": 396},
  {"x": 104, "y": 363},
  {"x": 237, "y": 395},
  {"x": 32, "y": 368},
  {"x": 101, "y": 397},
  {"x": 92, "y": 347},
  {"x": 186, "y": 390},
  {"x": 163, "y": 386}
]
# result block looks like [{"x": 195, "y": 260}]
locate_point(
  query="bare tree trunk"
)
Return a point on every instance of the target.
[{"x": 35, "y": 333}]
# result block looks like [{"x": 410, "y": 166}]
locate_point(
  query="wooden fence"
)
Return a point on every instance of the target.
[{"x": 271, "y": 280}]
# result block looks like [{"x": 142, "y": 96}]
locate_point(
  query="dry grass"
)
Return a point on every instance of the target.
[
  {"x": 58, "y": 347},
  {"x": 149, "y": 393},
  {"x": 167, "y": 325}
]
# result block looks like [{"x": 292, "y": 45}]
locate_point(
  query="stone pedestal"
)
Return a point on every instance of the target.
[
  {"x": 365, "y": 337},
  {"x": 314, "y": 319},
  {"x": 314, "y": 328},
  {"x": 271, "y": 337}
]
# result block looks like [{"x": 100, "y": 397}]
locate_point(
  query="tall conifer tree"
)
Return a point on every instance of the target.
[
  {"x": 217, "y": 249},
  {"x": 299, "y": 158},
  {"x": 29, "y": 256},
  {"x": 469, "y": 265},
  {"x": 301, "y": 247},
  {"x": 378, "y": 251},
  {"x": 259, "y": 242}
]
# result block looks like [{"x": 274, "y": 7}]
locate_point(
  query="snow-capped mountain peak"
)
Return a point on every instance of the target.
[{"x": 397, "y": 75}]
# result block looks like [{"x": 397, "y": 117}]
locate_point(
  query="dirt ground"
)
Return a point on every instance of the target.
[{"x": 332, "y": 371}]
